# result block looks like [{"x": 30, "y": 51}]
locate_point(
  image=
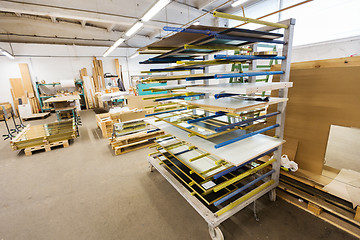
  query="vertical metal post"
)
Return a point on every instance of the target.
[
  {"x": 253, "y": 64},
  {"x": 283, "y": 93},
  {"x": 206, "y": 82}
]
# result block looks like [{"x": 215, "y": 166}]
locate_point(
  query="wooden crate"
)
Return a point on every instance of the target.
[{"x": 134, "y": 141}]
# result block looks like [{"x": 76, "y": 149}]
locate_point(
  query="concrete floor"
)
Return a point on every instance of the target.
[{"x": 84, "y": 192}]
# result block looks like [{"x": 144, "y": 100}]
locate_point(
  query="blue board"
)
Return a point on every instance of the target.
[{"x": 140, "y": 87}]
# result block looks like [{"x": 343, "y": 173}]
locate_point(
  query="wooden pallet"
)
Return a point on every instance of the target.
[
  {"x": 335, "y": 213},
  {"x": 105, "y": 123},
  {"x": 134, "y": 141},
  {"x": 47, "y": 147},
  {"x": 36, "y": 116}
]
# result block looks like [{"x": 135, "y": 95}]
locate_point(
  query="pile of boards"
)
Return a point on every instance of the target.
[
  {"x": 105, "y": 121},
  {"x": 44, "y": 136},
  {"x": 135, "y": 141},
  {"x": 22, "y": 90}
]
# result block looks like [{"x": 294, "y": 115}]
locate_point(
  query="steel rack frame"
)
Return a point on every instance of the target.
[{"x": 271, "y": 180}]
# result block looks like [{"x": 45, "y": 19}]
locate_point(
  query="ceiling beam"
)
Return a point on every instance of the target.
[
  {"x": 25, "y": 29},
  {"x": 53, "y": 19},
  {"x": 82, "y": 15}
]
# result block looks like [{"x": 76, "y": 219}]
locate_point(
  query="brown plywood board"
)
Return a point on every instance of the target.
[
  {"x": 25, "y": 75},
  {"x": 181, "y": 38},
  {"x": 325, "y": 95}
]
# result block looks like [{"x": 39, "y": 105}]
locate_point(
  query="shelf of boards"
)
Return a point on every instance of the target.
[{"x": 235, "y": 154}]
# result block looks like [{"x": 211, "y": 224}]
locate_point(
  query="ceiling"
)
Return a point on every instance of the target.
[{"x": 96, "y": 22}]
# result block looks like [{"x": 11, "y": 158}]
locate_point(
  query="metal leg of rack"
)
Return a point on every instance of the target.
[
  {"x": 283, "y": 93},
  {"x": 211, "y": 218}
]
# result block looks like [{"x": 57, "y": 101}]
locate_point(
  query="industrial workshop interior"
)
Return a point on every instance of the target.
[{"x": 179, "y": 119}]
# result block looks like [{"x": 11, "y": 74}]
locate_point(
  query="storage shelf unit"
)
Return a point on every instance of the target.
[{"x": 218, "y": 171}]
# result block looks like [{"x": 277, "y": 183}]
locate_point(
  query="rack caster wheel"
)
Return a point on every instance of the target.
[
  {"x": 151, "y": 167},
  {"x": 215, "y": 233}
]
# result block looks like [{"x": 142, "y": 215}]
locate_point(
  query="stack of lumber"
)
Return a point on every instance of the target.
[
  {"x": 105, "y": 121},
  {"x": 22, "y": 90},
  {"x": 132, "y": 126},
  {"x": 98, "y": 75},
  {"x": 44, "y": 136},
  {"x": 89, "y": 88},
  {"x": 135, "y": 141}
]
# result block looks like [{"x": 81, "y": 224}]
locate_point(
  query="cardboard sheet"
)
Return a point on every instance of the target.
[{"x": 346, "y": 185}]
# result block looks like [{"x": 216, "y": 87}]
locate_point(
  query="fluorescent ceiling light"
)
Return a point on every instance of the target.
[
  {"x": 118, "y": 42},
  {"x": 134, "y": 29},
  {"x": 114, "y": 46},
  {"x": 134, "y": 55},
  {"x": 196, "y": 23},
  {"x": 110, "y": 49},
  {"x": 155, "y": 9},
  {"x": 6, "y": 53},
  {"x": 237, "y": 3}
]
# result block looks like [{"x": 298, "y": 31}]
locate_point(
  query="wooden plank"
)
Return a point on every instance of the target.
[
  {"x": 28, "y": 86},
  {"x": 233, "y": 105},
  {"x": 17, "y": 87},
  {"x": 36, "y": 116},
  {"x": 317, "y": 101},
  {"x": 181, "y": 38},
  {"x": 357, "y": 215},
  {"x": 117, "y": 67},
  {"x": 317, "y": 205},
  {"x": 63, "y": 99},
  {"x": 26, "y": 79},
  {"x": 343, "y": 225},
  {"x": 249, "y": 147}
]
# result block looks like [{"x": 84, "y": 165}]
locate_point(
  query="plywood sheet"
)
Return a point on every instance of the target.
[
  {"x": 17, "y": 87},
  {"x": 343, "y": 148},
  {"x": 235, "y": 154},
  {"x": 181, "y": 38},
  {"x": 233, "y": 105},
  {"x": 63, "y": 99},
  {"x": 25, "y": 75},
  {"x": 325, "y": 95}
]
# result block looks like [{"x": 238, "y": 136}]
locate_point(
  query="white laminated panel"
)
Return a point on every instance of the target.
[{"x": 235, "y": 153}]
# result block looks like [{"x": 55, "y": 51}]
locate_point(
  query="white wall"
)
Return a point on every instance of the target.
[{"x": 66, "y": 64}]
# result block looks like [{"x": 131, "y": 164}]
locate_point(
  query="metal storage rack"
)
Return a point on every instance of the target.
[{"x": 226, "y": 174}]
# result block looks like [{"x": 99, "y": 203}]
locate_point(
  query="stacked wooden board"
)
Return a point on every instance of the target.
[
  {"x": 44, "y": 136},
  {"x": 135, "y": 140},
  {"x": 106, "y": 121},
  {"x": 22, "y": 90}
]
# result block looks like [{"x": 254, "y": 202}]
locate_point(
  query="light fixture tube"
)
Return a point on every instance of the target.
[{"x": 155, "y": 9}]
